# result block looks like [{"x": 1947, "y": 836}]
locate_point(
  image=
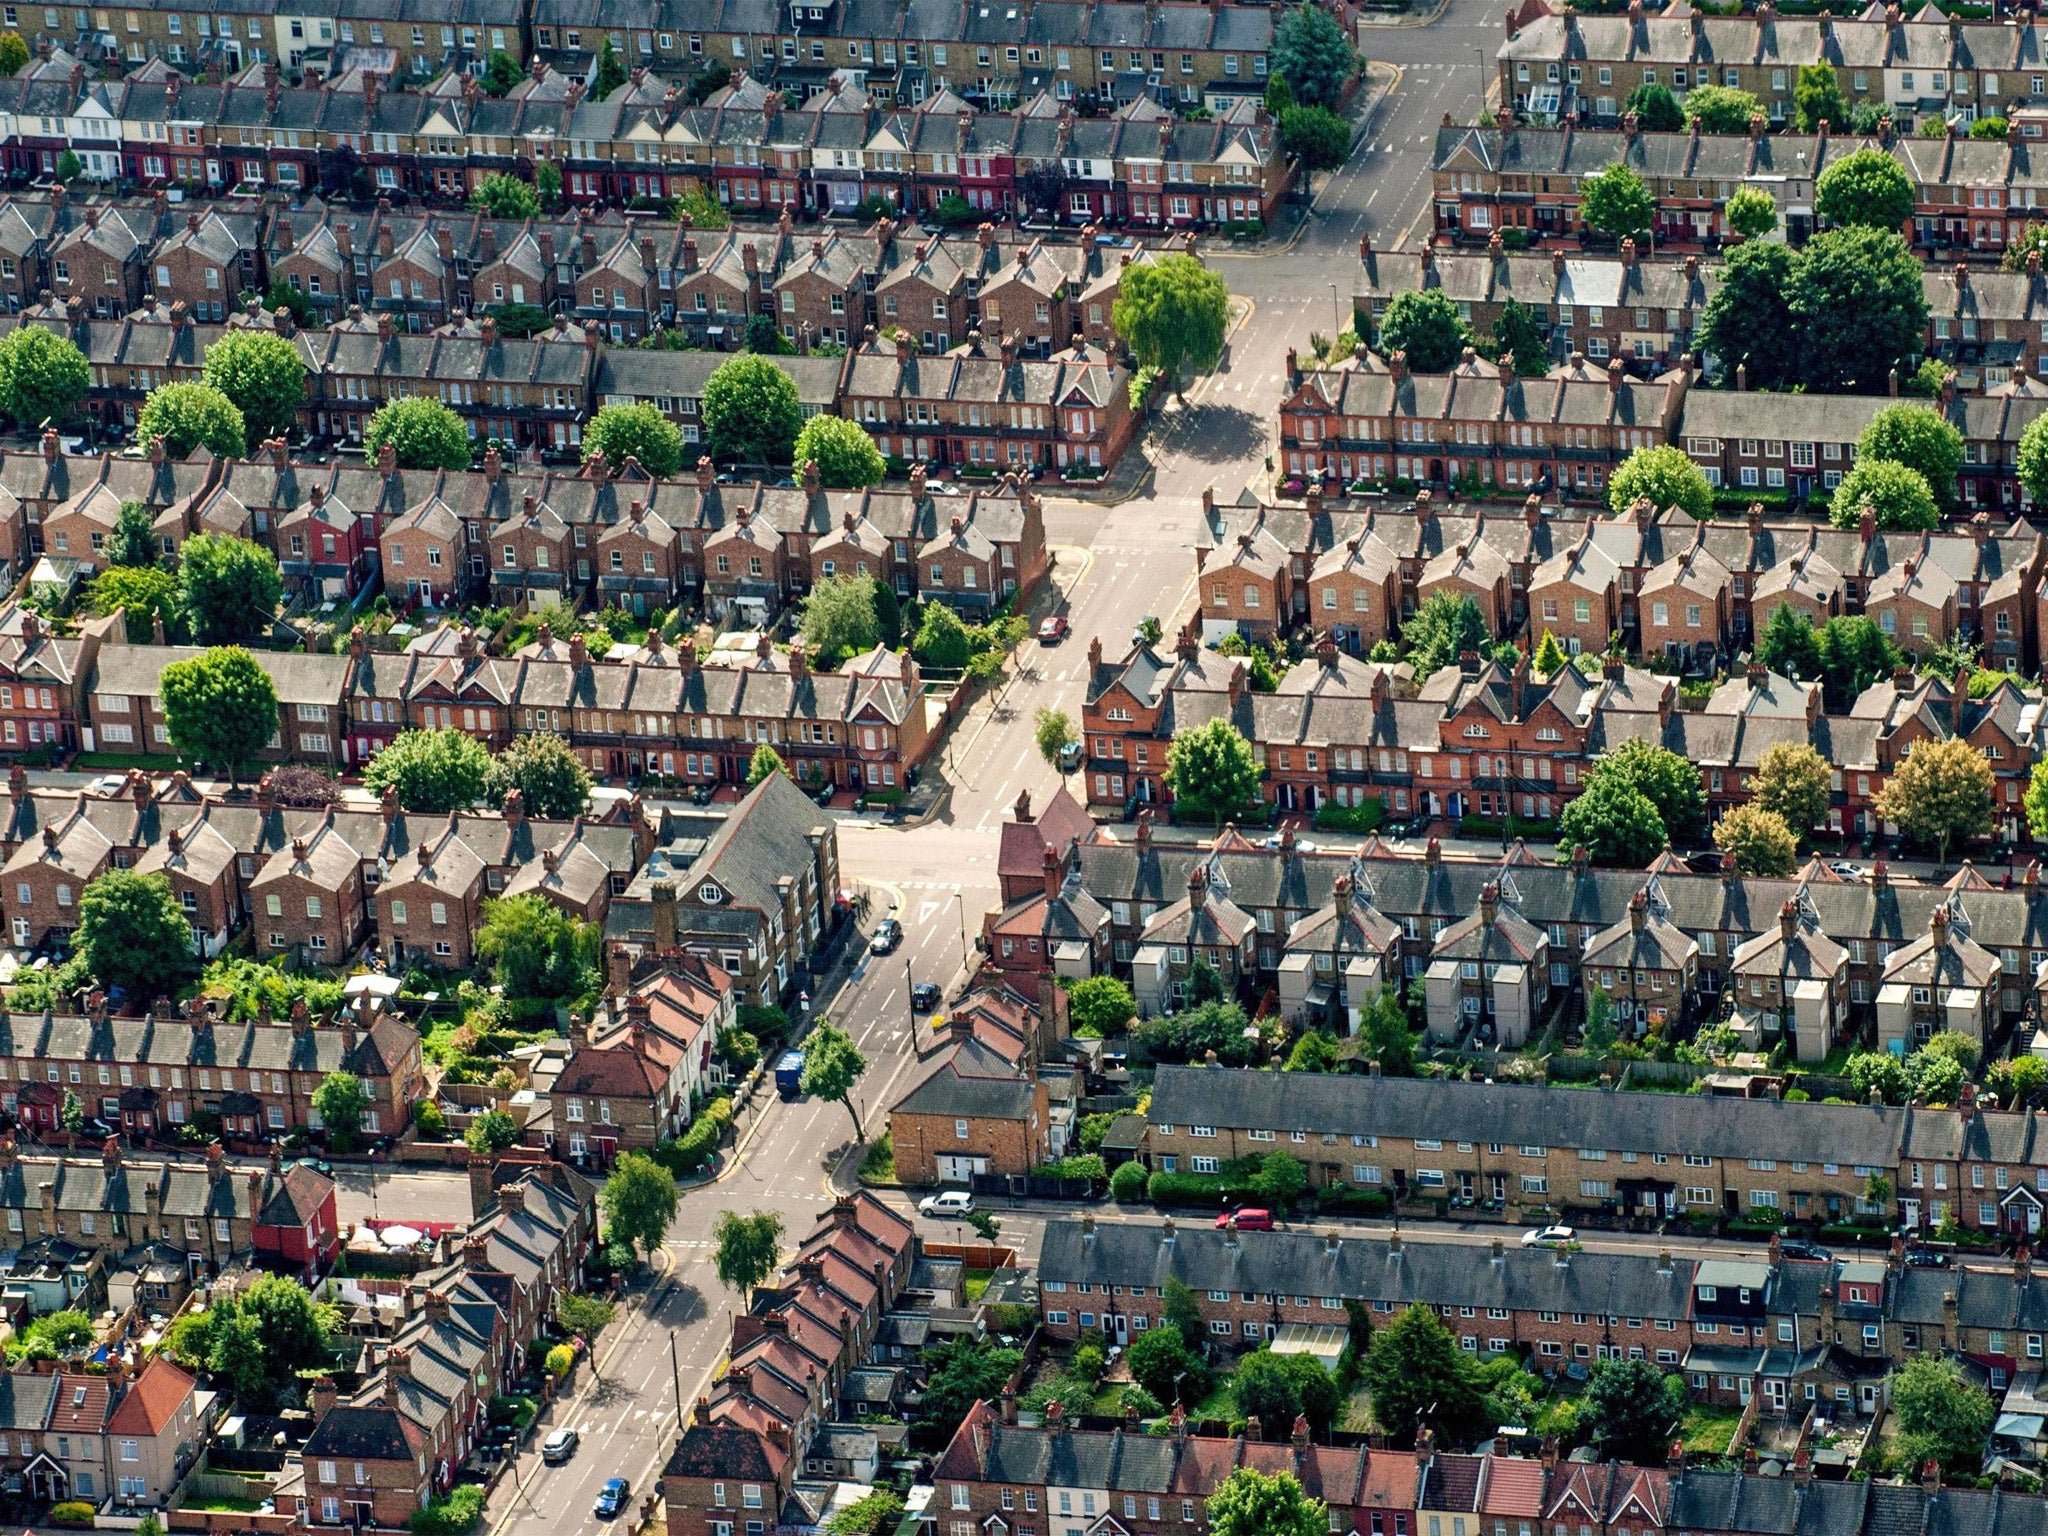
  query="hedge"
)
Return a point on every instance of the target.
[
  {"x": 1128, "y": 1182},
  {"x": 1210, "y": 1189},
  {"x": 73, "y": 1513},
  {"x": 1085, "y": 1166},
  {"x": 452, "y": 1516},
  {"x": 1361, "y": 1202},
  {"x": 687, "y": 1153}
]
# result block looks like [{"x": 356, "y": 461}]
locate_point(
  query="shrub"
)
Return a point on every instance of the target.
[
  {"x": 558, "y": 1361},
  {"x": 428, "y": 1120},
  {"x": 455, "y": 1515},
  {"x": 687, "y": 1153},
  {"x": 1128, "y": 1182},
  {"x": 73, "y": 1513},
  {"x": 1086, "y": 1166}
]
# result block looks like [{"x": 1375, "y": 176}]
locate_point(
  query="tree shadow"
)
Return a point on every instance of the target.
[{"x": 1219, "y": 434}]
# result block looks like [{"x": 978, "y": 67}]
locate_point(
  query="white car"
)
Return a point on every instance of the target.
[
  {"x": 948, "y": 1204},
  {"x": 1550, "y": 1237}
]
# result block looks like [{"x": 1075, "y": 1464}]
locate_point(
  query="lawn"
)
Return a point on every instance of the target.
[
  {"x": 224, "y": 1504},
  {"x": 117, "y": 762},
  {"x": 1221, "y": 1403},
  {"x": 1707, "y": 1430},
  {"x": 976, "y": 1283}
]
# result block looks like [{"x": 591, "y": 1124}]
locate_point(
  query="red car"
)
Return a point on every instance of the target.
[
  {"x": 1249, "y": 1219},
  {"x": 1052, "y": 629}
]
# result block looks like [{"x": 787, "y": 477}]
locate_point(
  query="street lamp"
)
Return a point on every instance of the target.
[
  {"x": 910, "y": 1000},
  {"x": 962, "y": 903},
  {"x": 1336, "y": 316}
]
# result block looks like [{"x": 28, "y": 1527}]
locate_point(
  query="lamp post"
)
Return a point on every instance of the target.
[{"x": 1336, "y": 316}]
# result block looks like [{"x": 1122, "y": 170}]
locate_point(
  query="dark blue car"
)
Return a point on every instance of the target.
[{"x": 611, "y": 1498}]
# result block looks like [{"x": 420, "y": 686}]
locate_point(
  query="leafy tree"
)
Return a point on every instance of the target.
[
  {"x": 1898, "y": 494},
  {"x": 1550, "y": 658},
  {"x": 2033, "y": 459},
  {"x": 1788, "y": 645},
  {"x": 585, "y": 1315},
  {"x": 547, "y": 181},
  {"x": 1424, "y": 323},
  {"x": 1172, "y": 313},
  {"x": 491, "y": 1132},
  {"x": 1281, "y": 1178},
  {"x": 1758, "y": 840},
  {"x": 1316, "y": 137},
  {"x": 833, "y": 1064},
  {"x": 551, "y": 780},
  {"x": 1278, "y": 1389},
  {"x": 228, "y": 588},
  {"x": 1747, "y": 323},
  {"x": 1721, "y": 108},
  {"x": 1792, "y": 781},
  {"x": 760, "y": 335},
  {"x": 1616, "y": 822},
  {"x": 71, "y": 1112},
  {"x": 1616, "y": 202},
  {"x": 1990, "y": 128},
  {"x": 501, "y": 73},
  {"x": 764, "y": 764},
  {"x": 1416, "y": 1376},
  {"x": 1671, "y": 783},
  {"x": 539, "y": 952},
  {"x": 839, "y": 620},
  {"x": 639, "y": 1202},
  {"x": 1162, "y": 1363},
  {"x": 13, "y": 53},
  {"x": 143, "y": 594},
  {"x": 1879, "y": 1070},
  {"x": 1920, "y": 438},
  {"x": 2037, "y": 799},
  {"x": 263, "y": 374},
  {"x": 423, "y": 433},
  {"x": 504, "y": 196},
  {"x": 1599, "y": 1033},
  {"x": 133, "y": 541},
  {"x": 611, "y": 74},
  {"x": 1854, "y": 653},
  {"x": 639, "y": 431},
  {"x": 888, "y": 616},
  {"x": 1180, "y": 1311},
  {"x": 747, "y": 1247},
  {"x": 1315, "y": 1051},
  {"x": 282, "y": 295},
  {"x": 1630, "y": 1409},
  {"x": 1518, "y": 333},
  {"x": 1941, "y": 792},
  {"x": 751, "y": 410},
  {"x": 220, "y": 707},
  {"x": 1858, "y": 305},
  {"x": 1249, "y": 1503},
  {"x": 868, "y": 1515},
  {"x": 1211, "y": 773},
  {"x": 69, "y": 167},
  {"x": 846, "y": 456},
  {"x": 942, "y": 640},
  {"x": 340, "y": 1101},
  {"x": 1279, "y": 97},
  {"x": 1442, "y": 629},
  {"x": 132, "y": 933},
  {"x": 1818, "y": 98},
  {"x": 1385, "y": 1027},
  {"x": 434, "y": 772},
  {"x": 1752, "y": 212},
  {"x": 43, "y": 376},
  {"x": 1100, "y": 1006},
  {"x": 1940, "y": 1413},
  {"x": 960, "y": 1373},
  {"x": 188, "y": 416},
  {"x": 1656, "y": 109},
  {"x": 1667, "y": 477},
  {"x": 1211, "y": 1025},
  {"x": 1312, "y": 54},
  {"x": 1053, "y": 730},
  {"x": 1867, "y": 188}
]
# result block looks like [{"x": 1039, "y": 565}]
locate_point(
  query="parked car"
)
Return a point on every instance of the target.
[
  {"x": 947, "y": 1205},
  {"x": 1812, "y": 1253},
  {"x": 1926, "y": 1258},
  {"x": 1052, "y": 630},
  {"x": 1550, "y": 1237},
  {"x": 888, "y": 934},
  {"x": 611, "y": 1498},
  {"x": 924, "y": 997},
  {"x": 1846, "y": 870},
  {"x": 1249, "y": 1218},
  {"x": 1070, "y": 757},
  {"x": 559, "y": 1446}
]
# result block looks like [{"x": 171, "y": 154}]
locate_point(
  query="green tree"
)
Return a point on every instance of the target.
[
  {"x": 1281, "y": 1178},
  {"x": 1898, "y": 494},
  {"x": 1387, "y": 1035},
  {"x": 1211, "y": 773},
  {"x": 423, "y": 434},
  {"x": 282, "y": 295},
  {"x": 833, "y": 1065},
  {"x": 1180, "y": 1311},
  {"x": 942, "y": 640},
  {"x": 1879, "y": 1070},
  {"x": 1164, "y": 1366},
  {"x": 13, "y": 53},
  {"x": 1616, "y": 202},
  {"x": 639, "y": 1201},
  {"x": 620, "y": 432},
  {"x": 765, "y": 763},
  {"x": 960, "y": 1373},
  {"x": 501, "y": 73},
  {"x": 1316, "y": 137},
  {"x": 1630, "y": 1409},
  {"x": 538, "y": 952},
  {"x": 1550, "y": 658},
  {"x": 1940, "y": 1413},
  {"x": 1441, "y": 630},
  {"x": 1053, "y": 731},
  {"x": 1793, "y": 781},
  {"x": 1817, "y": 97},
  {"x": 611, "y": 74},
  {"x": 1758, "y": 840},
  {"x": 143, "y": 594},
  {"x": 550, "y": 778},
  {"x": 1721, "y": 108},
  {"x": 1249, "y": 1503},
  {"x": 1315, "y": 1051},
  {"x": 846, "y": 456},
  {"x": 189, "y": 416},
  {"x": 228, "y": 588},
  {"x": 1616, "y": 822},
  {"x": 220, "y": 707},
  {"x": 1920, "y": 438},
  {"x": 340, "y": 1101},
  {"x": 751, "y": 410},
  {"x": 745, "y": 1249},
  {"x": 1599, "y": 1033},
  {"x": 434, "y": 772},
  {"x": 1667, "y": 477},
  {"x": 1424, "y": 323},
  {"x": 867, "y": 1515},
  {"x": 839, "y": 620},
  {"x": 1278, "y": 1389},
  {"x": 1172, "y": 313},
  {"x": 1990, "y": 128},
  {"x": 1517, "y": 333},
  {"x": 1099, "y": 1007},
  {"x": 1416, "y": 1376},
  {"x": 1858, "y": 307},
  {"x": 1752, "y": 212},
  {"x": 133, "y": 541},
  {"x": 1279, "y": 97},
  {"x": 263, "y": 374},
  {"x": 491, "y": 1132},
  {"x": 2033, "y": 459},
  {"x": 1311, "y": 52},
  {"x": 1866, "y": 188},
  {"x": 547, "y": 181},
  {"x": 888, "y": 616},
  {"x": 1671, "y": 783},
  {"x": 68, "y": 166},
  {"x": 1656, "y": 109},
  {"x": 2037, "y": 799},
  {"x": 1854, "y": 653},
  {"x": 761, "y": 336},
  {"x": 1747, "y": 323},
  {"x": 1788, "y": 645},
  {"x": 132, "y": 934},
  {"x": 1941, "y": 792},
  {"x": 504, "y": 196},
  {"x": 71, "y": 1112},
  {"x": 43, "y": 376}
]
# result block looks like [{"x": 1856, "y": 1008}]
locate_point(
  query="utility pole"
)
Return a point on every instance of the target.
[
  {"x": 910, "y": 1001},
  {"x": 676, "y": 1371}
]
